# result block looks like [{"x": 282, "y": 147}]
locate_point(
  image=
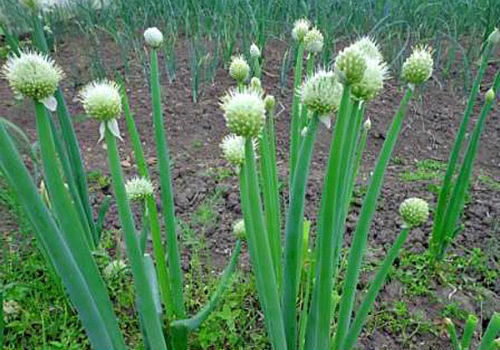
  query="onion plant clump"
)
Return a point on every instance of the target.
[
  {"x": 295, "y": 287},
  {"x": 489, "y": 338},
  {"x": 61, "y": 228},
  {"x": 451, "y": 200}
]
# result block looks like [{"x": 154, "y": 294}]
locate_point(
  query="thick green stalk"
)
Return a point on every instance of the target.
[
  {"x": 174, "y": 261},
  {"x": 270, "y": 194},
  {"x": 303, "y": 109},
  {"x": 443, "y": 199},
  {"x": 144, "y": 292},
  {"x": 257, "y": 227},
  {"x": 135, "y": 139},
  {"x": 152, "y": 210},
  {"x": 295, "y": 119},
  {"x": 373, "y": 290},
  {"x": 74, "y": 264},
  {"x": 368, "y": 209},
  {"x": 457, "y": 198},
  {"x": 452, "y": 332},
  {"x": 294, "y": 234},
  {"x": 318, "y": 325},
  {"x": 469, "y": 328},
  {"x": 491, "y": 333}
]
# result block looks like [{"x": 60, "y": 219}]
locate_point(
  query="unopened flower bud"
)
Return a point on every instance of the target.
[
  {"x": 254, "y": 51},
  {"x": 153, "y": 37},
  {"x": 414, "y": 211},
  {"x": 239, "y": 229},
  {"x": 417, "y": 68},
  {"x": 494, "y": 37},
  {"x": 256, "y": 85},
  {"x": 270, "y": 102},
  {"x": 367, "y": 125},
  {"x": 490, "y": 95},
  {"x": 239, "y": 69}
]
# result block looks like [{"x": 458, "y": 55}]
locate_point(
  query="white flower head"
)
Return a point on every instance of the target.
[
  {"x": 313, "y": 41},
  {"x": 33, "y": 75},
  {"x": 239, "y": 229},
  {"x": 417, "y": 68},
  {"x": 153, "y": 37},
  {"x": 239, "y": 69},
  {"x": 256, "y": 85},
  {"x": 375, "y": 74},
  {"x": 102, "y": 101},
  {"x": 414, "y": 211},
  {"x": 321, "y": 94},
  {"x": 139, "y": 188},
  {"x": 233, "y": 149},
  {"x": 270, "y": 102},
  {"x": 300, "y": 29},
  {"x": 244, "y": 111},
  {"x": 369, "y": 48},
  {"x": 350, "y": 64},
  {"x": 254, "y": 51}
]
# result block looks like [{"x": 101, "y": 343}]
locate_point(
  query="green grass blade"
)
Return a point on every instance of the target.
[
  {"x": 270, "y": 297},
  {"x": 469, "y": 328},
  {"x": 457, "y": 198},
  {"x": 143, "y": 288},
  {"x": 294, "y": 234},
  {"x": 443, "y": 199},
  {"x": 364, "y": 222},
  {"x": 74, "y": 264},
  {"x": 373, "y": 291},
  {"x": 452, "y": 332},
  {"x": 295, "y": 118},
  {"x": 318, "y": 325},
  {"x": 491, "y": 333},
  {"x": 174, "y": 262}
]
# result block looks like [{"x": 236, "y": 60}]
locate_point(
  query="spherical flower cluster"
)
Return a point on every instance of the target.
[
  {"x": 321, "y": 93},
  {"x": 369, "y": 48},
  {"x": 350, "y": 64},
  {"x": 270, "y": 102},
  {"x": 256, "y": 85},
  {"x": 254, "y": 51},
  {"x": 414, "y": 211},
  {"x": 139, "y": 188},
  {"x": 101, "y": 100},
  {"x": 417, "y": 68},
  {"x": 239, "y": 229},
  {"x": 244, "y": 111},
  {"x": 233, "y": 149},
  {"x": 300, "y": 29},
  {"x": 239, "y": 69},
  {"x": 32, "y": 75},
  {"x": 373, "y": 80},
  {"x": 153, "y": 37},
  {"x": 313, "y": 41}
]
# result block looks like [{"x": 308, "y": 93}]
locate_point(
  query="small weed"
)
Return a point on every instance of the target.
[
  {"x": 489, "y": 182},
  {"x": 427, "y": 169}
]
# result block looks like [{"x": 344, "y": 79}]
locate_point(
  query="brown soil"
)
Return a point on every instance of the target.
[{"x": 195, "y": 130}]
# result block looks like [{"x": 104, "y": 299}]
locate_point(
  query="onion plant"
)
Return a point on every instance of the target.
[
  {"x": 62, "y": 234},
  {"x": 357, "y": 78},
  {"x": 489, "y": 339},
  {"x": 454, "y": 187}
]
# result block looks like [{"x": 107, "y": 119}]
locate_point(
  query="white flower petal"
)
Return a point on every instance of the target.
[
  {"x": 113, "y": 127},
  {"x": 102, "y": 130},
  {"x": 326, "y": 120}
]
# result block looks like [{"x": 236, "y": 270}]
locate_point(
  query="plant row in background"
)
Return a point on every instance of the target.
[
  {"x": 295, "y": 275},
  {"x": 213, "y": 29}
]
